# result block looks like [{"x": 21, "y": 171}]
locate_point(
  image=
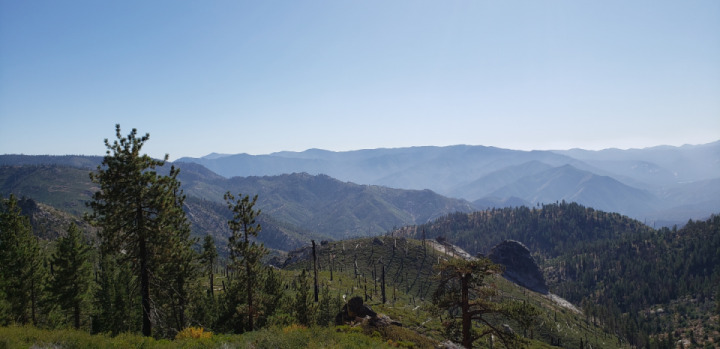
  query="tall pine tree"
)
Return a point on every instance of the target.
[
  {"x": 140, "y": 215},
  {"x": 245, "y": 254}
]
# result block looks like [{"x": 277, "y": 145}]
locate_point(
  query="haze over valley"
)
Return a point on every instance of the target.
[{"x": 351, "y": 174}]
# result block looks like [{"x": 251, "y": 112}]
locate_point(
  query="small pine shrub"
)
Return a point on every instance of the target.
[{"x": 193, "y": 333}]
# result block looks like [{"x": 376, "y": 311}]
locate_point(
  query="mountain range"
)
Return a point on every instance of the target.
[
  {"x": 295, "y": 207},
  {"x": 620, "y": 270},
  {"x": 664, "y": 185}
]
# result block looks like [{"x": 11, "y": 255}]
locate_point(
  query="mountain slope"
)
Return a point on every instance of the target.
[
  {"x": 337, "y": 209},
  {"x": 635, "y": 182},
  {"x": 410, "y": 276},
  {"x": 440, "y": 169},
  {"x": 65, "y": 188},
  {"x": 660, "y": 166},
  {"x": 570, "y": 184},
  {"x": 485, "y": 185},
  {"x": 620, "y": 270},
  {"x": 292, "y": 204}
]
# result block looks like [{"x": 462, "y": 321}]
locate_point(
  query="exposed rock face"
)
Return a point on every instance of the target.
[{"x": 520, "y": 267}]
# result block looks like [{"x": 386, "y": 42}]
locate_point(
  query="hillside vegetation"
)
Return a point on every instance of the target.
[
  {"x": 634, "y": 284},
  {"x": 292, "y": 204},
  {"x": 355, "y": 267},
  {"x": 619, "y": 270}
]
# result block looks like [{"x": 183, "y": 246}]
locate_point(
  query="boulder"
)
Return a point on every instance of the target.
[
  {"x": 356, "y": 310},
  {"x": 520, "y": 267}
]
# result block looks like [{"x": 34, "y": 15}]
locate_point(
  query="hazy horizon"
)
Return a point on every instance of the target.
[{"x": 173, "y": 158}]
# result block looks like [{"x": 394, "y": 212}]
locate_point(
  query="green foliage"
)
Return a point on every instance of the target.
[
  {"x": 617, "y": 268},
  {"x": 474, "y": 306},
  {"x": 62, "y": 187},
  {"x": 272, "y": 296},
  {"x": 208, "y": 259},
  {"x": 71, "y": 275},
  {"x": 325, "y": 312},
  {"x": 116, "y": 299},
  {"x": 204, "y": 308},
  {"x": 303, "y": 307},
  {"x": 143, "y": 224},
  {"x": 246, "y": 257},
  {"x": 551, "y": 230},
  {"x": 21, "y": 270}
]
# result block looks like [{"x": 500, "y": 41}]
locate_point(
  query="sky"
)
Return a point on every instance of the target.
[{"x": 264, "y": 76}]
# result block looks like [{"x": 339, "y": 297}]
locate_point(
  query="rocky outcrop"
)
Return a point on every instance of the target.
[
  {"x": 352, "y": 310},
  {"x": 355, "y": 310},
  {"x": 520, "y": 267}
]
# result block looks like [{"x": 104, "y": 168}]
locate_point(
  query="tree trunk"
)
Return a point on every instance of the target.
[
  {"x": 181, "y": 302},
  {"x": 76, "y": 314},
  {"x": 382, "y": 285},
  {"x": 251, "y": 327},
  {"x": 249, "y": 296},
  {"x": 32, "y": 300},
  {"x": 145, "y": 289},
  {"x": 315, "y": 270},
  {"x": 144, "y": 255},
  {"x": 466, "y": 318},
  {"x": 212, "y": 278}
]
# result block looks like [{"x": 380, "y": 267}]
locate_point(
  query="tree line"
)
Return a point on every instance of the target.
[{"x": 143, "y": 271}]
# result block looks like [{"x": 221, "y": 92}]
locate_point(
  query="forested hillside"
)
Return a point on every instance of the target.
[
  {"x": 619, "y": 270},
  {"x": 627, "y": 280},
  {"x": 650, "y": 287},
  {"x": 292, "y": 204},
  {"x": 548, "y": 230}
]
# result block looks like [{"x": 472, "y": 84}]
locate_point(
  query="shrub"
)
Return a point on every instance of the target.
[{"x": 193, "y": 333}]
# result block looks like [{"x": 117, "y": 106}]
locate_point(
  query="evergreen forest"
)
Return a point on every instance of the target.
[{"x": 142, "y": 264}]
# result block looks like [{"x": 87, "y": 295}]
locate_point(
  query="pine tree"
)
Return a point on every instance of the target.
[
  {"x": 271, "y": 297},
  {"x": 20, "y": 272},
  {"x": 140, "y": 214},
  {"x": 207, "y": 258},
  {"x": 205, "y": 306},
  {"x": 115, "y": 302},
  {"x": 178, "y": 269},
  {"x": 71, "y": 276},
  {"x": 324, "y": 314},
  {"x": 303, "y": 305},
  {"x": 462, "y": 287},
  {"x": 246, "y": 255}
]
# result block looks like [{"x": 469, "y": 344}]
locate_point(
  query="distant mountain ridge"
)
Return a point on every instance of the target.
[
  {"x": 662, "y": 185},
  {"x": 646, "y": 184}
]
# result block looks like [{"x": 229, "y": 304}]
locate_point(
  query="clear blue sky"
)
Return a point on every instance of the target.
[{"x": 264, "y": 76}]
